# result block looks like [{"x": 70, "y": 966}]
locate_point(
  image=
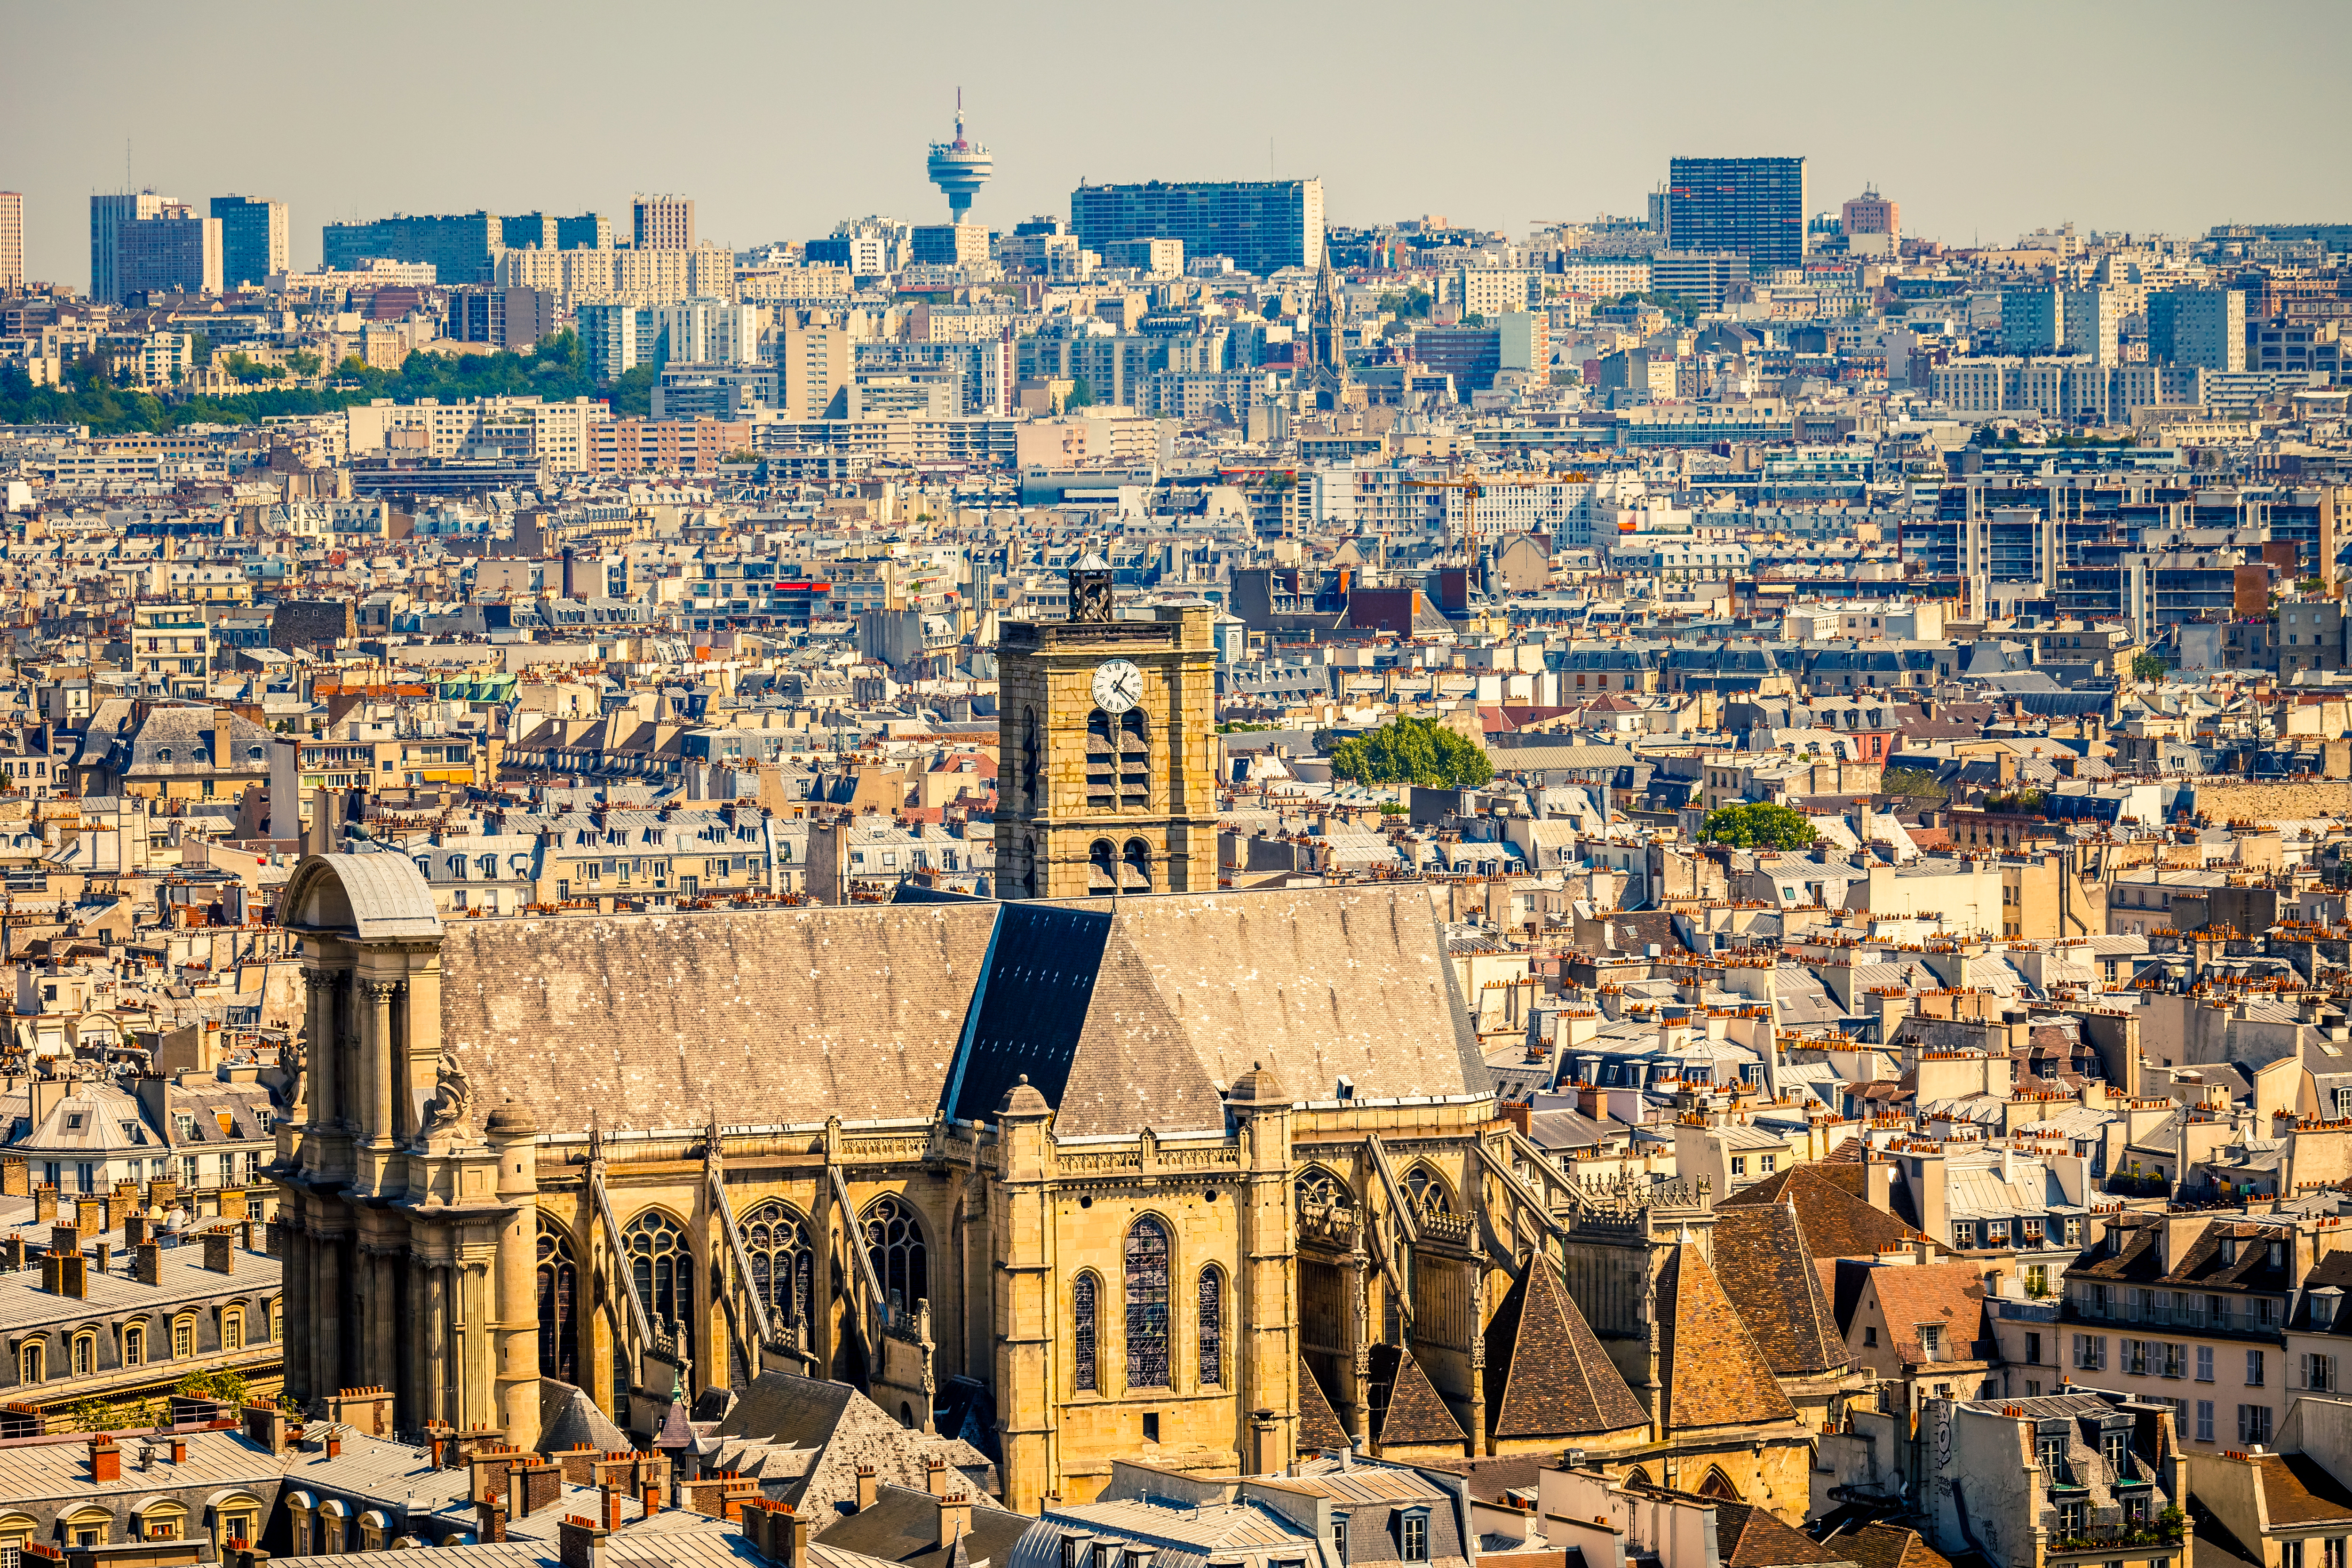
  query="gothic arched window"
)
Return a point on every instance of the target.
[
  {"x": 1086, "y": 1293},
  {"x": 1029, "y": 756},
  {"x": 784, "y": 1264},
  {"x": 1718, "y": 1485},
  {"x": 1318, "y": 1188},
  {"x": 1427, "y": 1190},
  {"x": 1212, "y": 1325},
  {"x": 1102, "y": 866},
  {"x": 558, "y": 1290},
  {"x": 1135, "y": 866},
  {"x": 1147, "y": 1304},
  {"x": 661, "y": 1261},
  {"x": 893, "y": 1240}
]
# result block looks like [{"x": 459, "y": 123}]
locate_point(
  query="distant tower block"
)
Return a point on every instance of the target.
[{"x": 959, "y": 167}]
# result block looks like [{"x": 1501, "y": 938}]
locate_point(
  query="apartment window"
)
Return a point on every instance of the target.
[
  {"x": 2073, "y": 1233},
  {"x": 184, "y": 1338},
  {"x": 2204, "y": 1420},
  {"x": 2317, "y": 1369},
  {"x": 2049, "y": 1453},
  {"x": 1740, "y": 1165},
  {"x": 2133, "y": 1357},
  {"x": 1765, "y": 1162},
  {"x": 32, "y": 1363},
  {"x": 1339, "y": 1537},
  {"x": 1413, "y": 1537},
  {"x": 2114, "y": 1448},
  {"x": 85, "y": 1356},
  {"x": 1870, "y": 1335},
  {"x": 2331, "y": 1551},
  {"x": 233, "y": 1329},
  {"x": 2091, "y": 1353},
  {"x": 2204, "y": 1364},
  {"x": 2254, "y": 1369},
  {"x": 2254, "y": 1423},
  {"x": 2290, "y": 1555},
  {"x": 2033, "y": 1350},
  {"x": 1964, "y": 1234},
  {"x": 135, "y": 1346},
  {"x": 2074, "y": 1518}
]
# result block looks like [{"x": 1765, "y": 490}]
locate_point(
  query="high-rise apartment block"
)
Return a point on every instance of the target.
[
  {"x": 2032, "y": 320},
  {"x": 2094, "y": 324},
  {"x": 2203, "y": 326},
  {"x": 1704, "y": 278},
  {"x": 174, "y": 252},
  {"x": 589, "y": 231},
  {"x": 1753, "y": 206},
  {"x": 1872, "y": 223},
  {"x": 108, "y": 213},
  {"x": 456, "y": 246},
  {"x": 1263, "y": 224},
  {"x": 253, "y": 239},
  {"x": 663, "y": 223},
  {"x": 615, "y": 339},
  {"x": 12, "y": 242},
  {"x": 950, "y": 243},
  {"x": 814, "y": 364},
  {"x": 709, "y": 331}
]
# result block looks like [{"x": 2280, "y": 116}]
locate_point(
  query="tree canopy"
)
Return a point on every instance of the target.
[
  {"x": 1758, "y": 824},
  {"x": 557, "y": 371},
  {"x": 1412, "y": 751}
]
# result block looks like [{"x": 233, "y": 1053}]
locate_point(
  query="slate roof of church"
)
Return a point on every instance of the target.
[
  {"x": 1416, "y": 1414},
  {"x": 1319, "y": 1424},
  {"x": 1833, "y": 1220},
  {"x": 1714, "y": 1372},
  {"x": 1545, "y": 1372},
  {"x": 1747, "y": 1536},
  {"x": 1767, "y": 1268}
]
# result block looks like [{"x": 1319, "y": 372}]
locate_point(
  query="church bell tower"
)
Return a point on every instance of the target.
[{"x": 1105, "y": 783}]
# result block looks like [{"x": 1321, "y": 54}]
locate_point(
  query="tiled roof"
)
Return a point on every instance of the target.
[
  {"x": 1714, "y": 1372},
  {"x": 1747, "y": 1536},
  {"x": 1416, "y": 1416},
  {"x": 1547, "y": 1376},
  {"x": 1833, "y": 1219},
  {"x": 1319, "y": 1424},
  {"x": 1951, "y": 1296},
  {"x": 1761, "y": 1257},
  {"x": 1888, "y": 1546},
  {"x": 2298, "y": 1490}
]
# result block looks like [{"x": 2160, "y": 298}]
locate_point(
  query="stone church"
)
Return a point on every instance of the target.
[{"x": 1202, "y": 1178}]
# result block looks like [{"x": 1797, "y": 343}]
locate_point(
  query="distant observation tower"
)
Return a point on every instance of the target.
[{"x": 959, "y": 167}]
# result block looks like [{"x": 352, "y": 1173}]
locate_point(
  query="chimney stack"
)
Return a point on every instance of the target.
[
  {"x": 105, "y": 1460},
  {"x": 866, "y": 1487}
]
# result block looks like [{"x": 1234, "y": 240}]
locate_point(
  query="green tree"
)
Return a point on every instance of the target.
[
  {"x": 1913, "y": 783},
  {"x": 227, "y": 1387},
  {"x": 2149, "y": 667},
  {"x": 1081, "y": 395},
  {"x": 1412, "y": 751},
  {"x": 1758, "y": 824},
  {"x": 303, "y": 363},
  {"x": 1411, "y": 305}
]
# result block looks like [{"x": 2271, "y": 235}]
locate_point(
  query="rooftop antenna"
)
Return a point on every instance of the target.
[{"x": 127, "y": 186}]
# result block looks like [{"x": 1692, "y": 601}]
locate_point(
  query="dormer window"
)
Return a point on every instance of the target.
[
  {"x": 2229, "y": 1250},
  {"x": 73, "y": 1121}
]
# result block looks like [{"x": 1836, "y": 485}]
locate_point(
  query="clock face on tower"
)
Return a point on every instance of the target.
[{"x": 1117, "y": 687}]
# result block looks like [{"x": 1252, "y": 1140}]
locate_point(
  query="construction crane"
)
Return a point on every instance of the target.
[{"x": 1471, "y": 489}]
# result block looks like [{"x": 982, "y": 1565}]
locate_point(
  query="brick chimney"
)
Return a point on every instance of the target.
[
  {"x": 179, "y": 1448},
  {"x": 16, "y": 1178},
  {"x": 105, "y": 1460},
  {"x": 147, "y": 1263},
  {"x": 220, "y": 1252},
  {"x": 89, "y": 1216},
  {"x": 45, "y": 1205},
  {"x": 935, "y": 1476},
  {"x": 579, "y": 1466},
  {"x": 65, "y": 1273},
  {"x": 866, "y": 1487},
  {"x": 650, "y": 1499},
  {"x": 335, "y": 1442},
  {"x": 490, "y": 1522},
  {"x": 580, "y": 1543},
  {"x": 265, "y": 1426},
  {"x": 612, "y": 1509},
  {"x": 542, "y": 1483}
]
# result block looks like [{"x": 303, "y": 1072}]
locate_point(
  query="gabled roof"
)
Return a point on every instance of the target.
[
  {"x": 1547, "y": 1375},
  {"x": 1714, "y": 1372},
  {"x": 1833, "y": 1219},
  {"x": 1892, "y": 1546}
]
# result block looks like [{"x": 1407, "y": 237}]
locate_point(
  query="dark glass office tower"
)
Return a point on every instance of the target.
[{"x": 1755, "y": 206}]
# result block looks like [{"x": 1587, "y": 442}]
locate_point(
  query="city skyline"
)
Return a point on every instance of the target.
[{"x": 2037, "y": 141}]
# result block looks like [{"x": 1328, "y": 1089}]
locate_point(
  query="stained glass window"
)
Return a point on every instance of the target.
[
  {"x": 1082, "y": 1327},
  {"x": 1147, "y": 1305},
  {"x": 784, "y": 1264},
  {"x": 1212, "y": 1325},
  {"x": 559, "y": 1280},
  {"x": 662, "y": 1263},
  {"x": 893, "y": 1240}
]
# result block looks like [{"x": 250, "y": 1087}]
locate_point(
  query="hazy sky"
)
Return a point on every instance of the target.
[{"x": 1986, "y": 118}]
